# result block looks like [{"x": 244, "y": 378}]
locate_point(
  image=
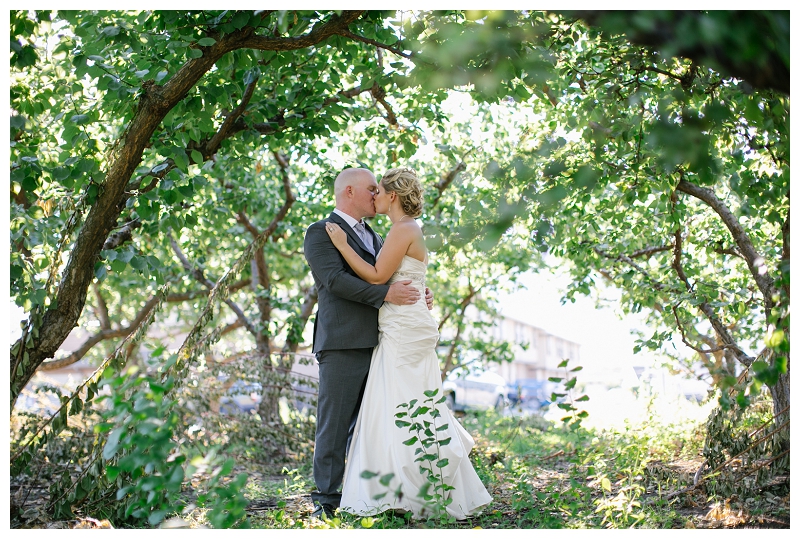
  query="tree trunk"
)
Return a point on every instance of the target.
[{"x": 780, "y": 407}]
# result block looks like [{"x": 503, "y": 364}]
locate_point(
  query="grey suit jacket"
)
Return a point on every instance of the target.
[{"x": 347, "y": 306}]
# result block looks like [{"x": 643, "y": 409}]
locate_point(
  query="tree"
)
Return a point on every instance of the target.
[
  {"x": 242, "y": 120},
  {"x": 664, "y": 175},
  {"x": 158, "y": 158},
  {"x": 142, "y": 103}
]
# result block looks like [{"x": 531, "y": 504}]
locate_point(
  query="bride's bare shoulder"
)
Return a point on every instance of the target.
[{"x": 410, "y": 225}]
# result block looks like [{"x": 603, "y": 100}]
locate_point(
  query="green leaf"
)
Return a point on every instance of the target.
[
  {"x": 366, "y": 474},
  {"x": 26, "y": 56},
  {"x": 118, "y": 266},
  {"x": 139, "y": 263},
  {"x": 423, "y": 490},
  {"x": 18, "y": 121},
  {"x": 411, "y": 441},
  {"x": 156, "y": 517},
  {"x": 384, "y": 480},
  {"x": 112, "y": 472},
  {"x": 206, "y": 41},
  {"x": 112, "y": 444},
  {"x": 442, "y": 463},
  {"x": 419, "y": 411},
  {"x": 240, "y": 19}
]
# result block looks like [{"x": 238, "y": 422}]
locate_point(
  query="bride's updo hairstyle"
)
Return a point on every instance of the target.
[{"x": 405, "y": 183}]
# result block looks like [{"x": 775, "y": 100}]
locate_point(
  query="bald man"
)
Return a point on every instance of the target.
[{"x": 346, "y": 327}]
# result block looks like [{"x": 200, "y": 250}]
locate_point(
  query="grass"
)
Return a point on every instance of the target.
[{"x": 540, "y": 475}]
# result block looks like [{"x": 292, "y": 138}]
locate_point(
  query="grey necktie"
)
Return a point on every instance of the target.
[{"x": 365, "y": 236}]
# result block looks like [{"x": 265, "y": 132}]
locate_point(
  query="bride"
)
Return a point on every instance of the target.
[{"x": 404, "y": 366}]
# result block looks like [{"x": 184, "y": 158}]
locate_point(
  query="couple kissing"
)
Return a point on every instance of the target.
[{"x": 375, "y": 342}]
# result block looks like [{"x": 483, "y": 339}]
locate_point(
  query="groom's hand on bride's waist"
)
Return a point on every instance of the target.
[
  {"x": 402, "y": 293},
  {"x": 429, "y": 298}
]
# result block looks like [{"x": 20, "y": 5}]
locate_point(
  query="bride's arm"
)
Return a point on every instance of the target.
[{"x": 392, "y": 252}]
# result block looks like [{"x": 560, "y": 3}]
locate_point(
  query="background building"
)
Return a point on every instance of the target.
[{"x": 537, "y": 352}]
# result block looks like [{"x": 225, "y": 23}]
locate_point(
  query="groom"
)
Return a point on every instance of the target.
[{"x": 346, "y": 327}]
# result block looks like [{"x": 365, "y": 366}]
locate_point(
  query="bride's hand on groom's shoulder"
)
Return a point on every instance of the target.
[{"x": 337, "y": 235}]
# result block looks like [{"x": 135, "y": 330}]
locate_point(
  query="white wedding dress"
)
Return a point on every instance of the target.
[{"x": 404, "y": 365}]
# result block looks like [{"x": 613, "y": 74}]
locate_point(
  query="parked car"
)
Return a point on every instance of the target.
[
  {"x": 244, "y": 397},
  {"x": 478, "y": 389},
  {"x": 530, "y": 393},
  {"x": 241, "y": 397}
]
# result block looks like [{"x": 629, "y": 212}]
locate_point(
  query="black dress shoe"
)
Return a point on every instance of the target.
[{"x": 324, "y": 511}]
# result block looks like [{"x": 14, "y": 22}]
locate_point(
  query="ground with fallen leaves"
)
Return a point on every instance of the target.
[{"x": 535, "y": 475}]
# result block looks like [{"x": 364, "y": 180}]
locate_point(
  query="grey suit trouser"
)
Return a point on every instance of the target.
[{"x": 342, "y": 378}]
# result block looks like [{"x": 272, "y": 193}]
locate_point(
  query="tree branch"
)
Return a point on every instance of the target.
[
  {"x": 337, "y": 25},
  {"x": 158, "y": 172},
  {"x": 124, "y": 234},
  {"x": 109, "y": 333},
  {"x": 719, "y": 328},
  {"x": 227, "y": 126},
  {"x": 785, "y": 254},
  {"x": 102, "y": 308},
  {"x": 624, "y": 258},
  {"x": 202, "y": 279},
  {"x": 261, "y": 289},
  {"x": 289, "y": 197},
  {"x": 380, "y": 96},
  {"x": 754, "y": 261},
  {"x": 278, "y": 122},
  {"x": 309, "y": 300},
  {"x": 461, "y": 306},
  {"x": 100, "y": 336},
  {"x": 676, "y": 260},
  {"x": 447, "y": 179},
  {"x": 687, "y": 343},
  {"x": 378, "y": 44},
  {"x": 231, "y": 327},
  {"x": 647, "y": 251},
  {"x": 186, "y": 296},
  {"x": 729, "y": 251},
  {"x": 663, "y": 72}
]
